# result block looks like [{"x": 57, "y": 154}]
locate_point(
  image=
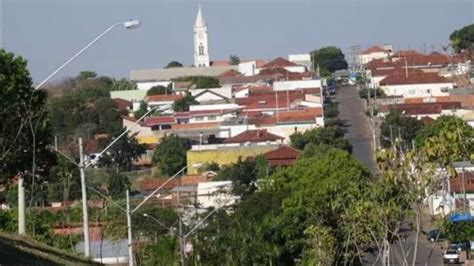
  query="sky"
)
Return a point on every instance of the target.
[{"x": 49, "y": 32}]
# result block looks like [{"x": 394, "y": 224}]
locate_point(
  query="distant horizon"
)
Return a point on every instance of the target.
[{"x": 49, "y": 32}]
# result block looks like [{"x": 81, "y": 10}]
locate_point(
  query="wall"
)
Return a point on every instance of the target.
[
  {"x": 224, "y": 106},
  {"x": 417, "y": 90},
  {"x": 130, "y": 95},
  {"x": 211, "y": 118},
  {"x": 224, "y": 91},
  {"x": 248, "y": 68},
  {"x": 146, "y": 85},
  {"x": 223, "y": 156},
  {"x": 366, "y": 58},
  {"x": 215, "y": 194},
  {"x": 296, "y": 84},
  {"x": 296, "y": 69}
]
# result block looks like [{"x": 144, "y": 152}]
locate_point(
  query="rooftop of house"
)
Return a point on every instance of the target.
[
  {"x": 196, "y": 126},
  {"x": 306, "y": 115},
  {"x": 283, "y": 156},
  {"x": 257, "y": 135},
  {"x": 159, "y": 120},
  {"x": 122, "y": 104},
  {"x": 420, "y": 108},
  {"x": 163, "y": 98},
  {"x": 278, "y": 63},
  {"x": 374, "y": 49},
  {"x": 413, "y": 76},
  {"x": 187, "y": 180},
  {"x": 406, "y": 53},
  {"x": 254, "y": 88}
]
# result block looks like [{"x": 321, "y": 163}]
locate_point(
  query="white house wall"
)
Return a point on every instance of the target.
[
  {"x": 296, "y": 84},
  {"x": 147, "y": 85},
  {"x": 417, "y": 90},
  {"x": 248, "y": 68}
]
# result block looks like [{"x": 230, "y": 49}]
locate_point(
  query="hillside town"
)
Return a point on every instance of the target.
[{"x": 310, "y": 158}]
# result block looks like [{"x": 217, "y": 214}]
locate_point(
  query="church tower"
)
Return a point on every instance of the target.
[{"x": 201, "y": 48}]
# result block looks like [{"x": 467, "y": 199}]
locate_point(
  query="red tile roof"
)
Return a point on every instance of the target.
[
  {"x": 230, "y": 73},
  {"x": 374, "y": 49},
  {"x": 420, "y": 108},
  {"x": 279, "y": 62},
  {"x": 258, "y": 135},
  {"x": 254, "y": 88},
  {"x": 283, "y": 156},
  {"x": 258, "y": 62},
  {"x": 181, "y": 114},
  {"x": 406, "y": 53},
  {"x": 159, "y": 120},
  {"x": 307, "y": 115},
  {"x": 414, "y": 77},
  {"x": 380, "y": 63},
  {"x": 122, "y": 104},
  {"x": 163, "y": 98}
]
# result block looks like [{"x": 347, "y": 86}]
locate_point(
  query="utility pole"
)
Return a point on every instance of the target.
[
  {"x": 85, "y": 215},
  {"x": 464, "y": 189},
  {"x": 391, "y": 138},
  {"x": 21, "y": 205},
  {"x": 129, "y": 229},
  {"x": 181, "y": 242}
]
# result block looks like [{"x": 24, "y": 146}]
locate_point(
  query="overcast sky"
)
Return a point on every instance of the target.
[{"x": 48, "y": 32}]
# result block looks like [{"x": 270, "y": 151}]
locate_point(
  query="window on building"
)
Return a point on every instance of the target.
[
  {"x": 201, "y": 49},
  {"x": 199, "y": 118},
  {"x": 212, "y": 117},
  {"x": 411, "y": 91}
]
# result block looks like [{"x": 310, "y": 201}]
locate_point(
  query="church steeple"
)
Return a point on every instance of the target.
[
  {"x": 199, "y": 19},
  {"x": 201, "y": 49}
]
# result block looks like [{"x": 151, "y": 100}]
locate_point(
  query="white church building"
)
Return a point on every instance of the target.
[{"x": 201, "y": 44}]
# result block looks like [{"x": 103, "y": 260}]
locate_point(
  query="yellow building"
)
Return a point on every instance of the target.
[{"x": 196, "y": 158}]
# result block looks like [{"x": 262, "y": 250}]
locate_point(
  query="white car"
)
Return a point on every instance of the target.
[{"x": 451, "y": 256}]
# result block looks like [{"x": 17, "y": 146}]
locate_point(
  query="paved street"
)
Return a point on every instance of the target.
[{"x": 352, "y": 113}]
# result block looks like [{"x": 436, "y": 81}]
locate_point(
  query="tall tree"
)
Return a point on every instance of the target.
[
  {"x": 332, "y": 136},
  {"x": 170, "y": 154},
  {"x": 202, "y": 82},
  {"x": 123, "y": 85},
  {"x": 182, "y": 105},
  {"x": 463, "y": 39},
  {"x": 25, "y": 130},
  {"x": 173, "y": 64},
  {"x": 234, "y": 60},
  {"x": 159, "y": 90},
  {"x": 397, "y": 126},
  {"x": 329, "y": 59}
]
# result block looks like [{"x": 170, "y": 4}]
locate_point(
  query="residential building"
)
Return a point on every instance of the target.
[
  {"x": 281, "y": 157},
  {"x": 301, "y": 59},
  {"x": 161, "y": 100},
  {"x": 415, "y": 83},
  {"x": 420, "y": 110},
  {"x": 373, "y": 52},
  {"x": 212, "y": 112},
  {"x": 283, "y": 63}
]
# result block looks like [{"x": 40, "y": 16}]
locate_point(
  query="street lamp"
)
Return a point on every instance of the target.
[{"x": 131, "y": 24}]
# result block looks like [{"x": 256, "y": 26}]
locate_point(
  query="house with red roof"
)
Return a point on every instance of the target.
[
  {"x": 411, "y": 83},
  {"x": 212, "y": 112},
  {"x": 282, "y": 157},
  {"x": 422, "y": 110},
  {"x": 161, "y": 100},
  {"x": 282, "y": 63},
  {"x": 374, "y": 52}
]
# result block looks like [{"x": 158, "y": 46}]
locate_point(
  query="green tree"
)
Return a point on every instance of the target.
[
  {"x": 182, "y": 105},
  {"x": 170, "y": 154},
  {"x": 243, "y": 175},
  {"x": 332, "y": 136},
  {"x": 159, "y": 90},
  {"x": 64, "y": 181},
  {"x": 86, "y": 74},
  {"x": 329, "y": 59},
  {"x": 173, "y": 64},
  {"x": 459, "y": 232},
  {"x": 141, "y": 110},
  {"x": 234, "y": 60},
  {"x": 25, "y": 132},
  {"x": 117, "y": 184},
  {"x": 123, "y": 85},
  {"x": 397, "y": 126},
  {"x": 122, "y": 154},
  {"x": 202, "y": 82},
  {"x": 463, "y": 39}
]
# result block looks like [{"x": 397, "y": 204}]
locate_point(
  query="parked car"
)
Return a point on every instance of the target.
[
  {"x": 451, "y": 256},
  {"x": 435, "y": 234}
]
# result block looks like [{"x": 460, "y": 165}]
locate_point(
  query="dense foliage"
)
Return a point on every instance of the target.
[
  {"x": 173, "y": 64},
  {"x": 332, "y": 136},
  {"x": 463, "y": 39},
  {"x": 159, "y": 90},
  {"x": 328, "y": 59},
  {"x": 397, "y": 127},
  {"x": 170, "y": 154},
  {"x": 182, "y": 105}
]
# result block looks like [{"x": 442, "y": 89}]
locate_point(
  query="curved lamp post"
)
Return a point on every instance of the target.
[{"x": 131, "y": 24}]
